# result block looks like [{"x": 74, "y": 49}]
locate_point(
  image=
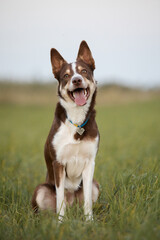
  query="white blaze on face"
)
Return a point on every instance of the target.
[
  {"x": 76, "y": 75},
  {"x": 81, "y": 93}
]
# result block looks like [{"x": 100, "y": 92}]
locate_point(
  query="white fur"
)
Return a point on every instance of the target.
[
  {"x": 87, "y": 188},
  {"x": 73, "y": 154},
  {"x": 40, "y": 198},
  {"x": 76, "y": 113},
  {"x": 60, "y": 201},
  {"x": 44, "y": 199}
]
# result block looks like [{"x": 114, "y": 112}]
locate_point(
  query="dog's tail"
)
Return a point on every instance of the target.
[{"x": 44, "y": 197}]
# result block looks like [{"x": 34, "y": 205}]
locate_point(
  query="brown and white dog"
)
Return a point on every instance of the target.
[{"x": 73, "y": 140}]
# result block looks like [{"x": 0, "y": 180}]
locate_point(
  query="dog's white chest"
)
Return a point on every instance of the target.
[{"x": 73, "y": 154}]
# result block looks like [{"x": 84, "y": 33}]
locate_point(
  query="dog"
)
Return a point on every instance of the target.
[{"x": 73, "y": 140}]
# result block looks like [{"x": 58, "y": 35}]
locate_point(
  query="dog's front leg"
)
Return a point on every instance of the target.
[
  {"x": 59, "y": 173},
  {"x": 87, "y": 176}
]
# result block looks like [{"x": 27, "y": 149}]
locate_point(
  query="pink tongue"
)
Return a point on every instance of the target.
[{"x": 80, "y": 99}]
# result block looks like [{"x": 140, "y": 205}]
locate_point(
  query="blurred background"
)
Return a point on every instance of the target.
[{"x": 124, "y": 37}]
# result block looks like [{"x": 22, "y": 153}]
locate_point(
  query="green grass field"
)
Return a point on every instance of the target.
[{"x": 127, "y": 167}]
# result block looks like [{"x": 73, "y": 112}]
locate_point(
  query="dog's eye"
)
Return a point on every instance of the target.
[
  {"x": 84, "y": 71},
  {"x": 66, "y": 76}
]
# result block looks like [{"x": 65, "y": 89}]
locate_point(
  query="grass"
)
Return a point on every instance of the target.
[{"x": 127, "y": 167}]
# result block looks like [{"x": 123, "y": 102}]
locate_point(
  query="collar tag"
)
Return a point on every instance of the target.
[{"x": 80, "y": 130}]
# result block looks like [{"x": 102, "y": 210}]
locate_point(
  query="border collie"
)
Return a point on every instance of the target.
[{"x": 73, "y": 140}]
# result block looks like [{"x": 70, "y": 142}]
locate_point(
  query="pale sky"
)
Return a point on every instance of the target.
[{"x": 123, "y": 35}]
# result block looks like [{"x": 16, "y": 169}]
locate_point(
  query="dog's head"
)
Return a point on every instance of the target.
[{"x": 76, "y": 81}]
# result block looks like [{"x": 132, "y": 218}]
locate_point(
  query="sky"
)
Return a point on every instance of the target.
[{"x": 123, "y": 35}]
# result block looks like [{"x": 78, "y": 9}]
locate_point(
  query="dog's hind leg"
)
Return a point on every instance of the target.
[{"x": 44, "y": 197}]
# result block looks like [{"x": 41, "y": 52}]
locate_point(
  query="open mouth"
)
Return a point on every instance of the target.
[{"x": 79, "y": 95}]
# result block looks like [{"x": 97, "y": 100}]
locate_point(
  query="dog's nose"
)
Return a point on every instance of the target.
[{"x": 76, "y": 81}]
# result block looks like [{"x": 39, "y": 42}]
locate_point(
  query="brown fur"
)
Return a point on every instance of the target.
[
  {"x": 58, "y": 170},
  {"x": 49, "y": 152},
  {"x": 85, "y": 55}
]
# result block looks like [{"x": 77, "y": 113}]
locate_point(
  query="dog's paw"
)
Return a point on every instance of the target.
[{"x": 89, "y": 217}]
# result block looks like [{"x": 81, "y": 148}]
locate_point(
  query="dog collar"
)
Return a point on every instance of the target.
[{"x": 80, "y": 128}]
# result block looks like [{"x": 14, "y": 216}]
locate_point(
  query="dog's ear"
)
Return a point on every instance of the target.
[
  {"x": 85, "y": 55},
  {"x": 57, "y": 62}
]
